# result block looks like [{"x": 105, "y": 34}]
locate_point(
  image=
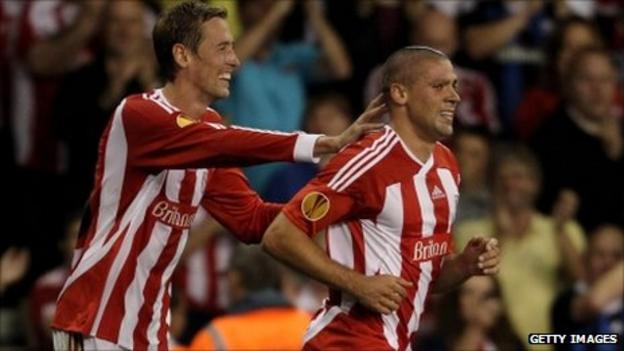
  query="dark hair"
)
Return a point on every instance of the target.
[
  {"x": 554, "y": 46},
  {"x": 451, "y": 324},
  {"x": 181, "y": 24},
  {"x": 396, "y": 67}
]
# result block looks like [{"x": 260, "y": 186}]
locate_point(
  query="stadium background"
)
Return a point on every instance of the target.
[{"x": 518, "y": 62}]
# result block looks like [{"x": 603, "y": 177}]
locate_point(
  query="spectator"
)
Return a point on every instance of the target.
[
  {"x": 504, "y": 38},
  {"x": 43, "y": 296},
  {"x": 82, "y": 111},
  {"x": 594, "y": 304},
  {"x": 472, "y": 318},
  {"x": 328, "y": 114},
  {"x": 472, "y": 147},
  {"x": 260, "y": 318},
  {"x": 54, "y": 37},
  {"x": 534, "y": 247},
  {"x": 478, "y": 100},
  {"x": 586, "y": 133},
  {"x": 269, "y": 90},
  {"x": 540, "y": 102}
]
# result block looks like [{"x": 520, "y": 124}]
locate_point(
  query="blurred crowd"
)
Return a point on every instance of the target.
[{"x": 539, "y": 137}]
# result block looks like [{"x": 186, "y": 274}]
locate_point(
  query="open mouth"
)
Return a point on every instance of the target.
[
  {"x": 447, "y": 115},
  {"x": 226, "y": 77}
]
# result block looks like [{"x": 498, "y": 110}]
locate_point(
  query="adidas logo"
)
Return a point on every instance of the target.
[{"x": 437, "y": 193}]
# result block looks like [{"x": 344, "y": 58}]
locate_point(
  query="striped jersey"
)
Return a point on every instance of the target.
[
  {"x": 155, "y": 168},
  {"x": 385, "y": 212}
]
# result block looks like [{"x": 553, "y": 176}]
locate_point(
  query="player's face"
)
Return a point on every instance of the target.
[
  {"x": 212, "y": 67},
  {"x": 433, "y": 98}
]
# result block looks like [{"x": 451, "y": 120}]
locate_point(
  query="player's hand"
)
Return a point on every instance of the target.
[
  {"x": 381, "y": 293},
  {"x": 366, "y": 123},
  {"x": 481, "y": 256}
]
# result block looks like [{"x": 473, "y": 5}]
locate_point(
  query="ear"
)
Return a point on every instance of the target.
[
  {"x": 180, "y": 55},
  {"x": 398, "y": 94}
]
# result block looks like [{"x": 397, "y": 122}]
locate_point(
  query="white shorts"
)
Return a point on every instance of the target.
[{"x": 68, "y": 341}]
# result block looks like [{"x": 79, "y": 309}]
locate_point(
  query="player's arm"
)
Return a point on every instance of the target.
[
  {"x": 289, "y": 244},
  {"x": 231, "y": 201},
  {"x": 165, "y": 143},
  {"x": 481, "y": 256}
]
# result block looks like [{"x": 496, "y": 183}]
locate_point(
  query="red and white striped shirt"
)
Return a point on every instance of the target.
[
  {"x": 155, "y": 168},
  {"x": 385, "y": 212}
]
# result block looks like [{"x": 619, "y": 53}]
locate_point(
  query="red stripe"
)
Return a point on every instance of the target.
[
  {"x": 152, "y": 288},
  {"x": 114, "y": 312},
  {"x": 411, "y": 209},
  {"x": 163, "y": 343},
  {"x": 357, "y": 236}
]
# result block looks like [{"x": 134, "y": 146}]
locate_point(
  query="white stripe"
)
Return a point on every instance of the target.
[
  {"x": 320, "y": 322},
  {"x": 197, "y": 276},
  {"x": 136, "y": 223},
  {"x": 159, "y": 103},
  {"x": 174, "y": 183},
  {"x": 428, "y": 225},
  {"x": 133, "y": 296},
  {"x": 340, "y": 244},
  {"x": 385, "y": 151},
  {"x": 338, "y": 176},
  {"x": 452, "y": 194},
  {"x": 152, "y": 330},
  {"x": 275, "y": 132},
  {"x": 216, "y": 125},
  {"x": 201, "y": 175},
  {"x": 135, "y": 212},
  {"x": 115, "y": 159},
  {"x": 110, "y": 195},
  {"x": 161, "y": 97},
  {"x": 23, "y": 114},
  {"x": 421, "y": 294},
  {"x": 383, "y": 246}
]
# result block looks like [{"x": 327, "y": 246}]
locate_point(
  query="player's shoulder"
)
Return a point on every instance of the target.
[
  {"x": 149, "y": 105},
  {"x": 359, "y": 160},
  {"x": 444, "y": 157}
]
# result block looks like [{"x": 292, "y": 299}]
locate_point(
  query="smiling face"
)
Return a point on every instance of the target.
[
  {"x": 431, "y": 99},
  {"x": 211, "y": 67}
]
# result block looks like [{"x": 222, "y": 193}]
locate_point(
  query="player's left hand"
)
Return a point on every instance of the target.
[
  {"x": 481, "y": 256},
  {"x": 366, "y": 123}
]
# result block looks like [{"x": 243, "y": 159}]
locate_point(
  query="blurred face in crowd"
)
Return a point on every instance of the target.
[
  {"x": 327, "y": 118},
  {"x": 516, "y": 184},
  {"x": 606, "y": 249},
  {"x": 126, "y": 27},
  {"x": 211, "y": 67},
  {"x": 437, "y": 30},
  {"x": 473, "y": 155},
  {"x": 430, "y": 98},
  {"x": 593, "y": 86},
  {"x": 479, "y": 302},
  {"x": 576, "y": 36}
]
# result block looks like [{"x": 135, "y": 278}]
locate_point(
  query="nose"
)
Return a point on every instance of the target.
[
  {"x": 454, "y": 96},
  {"x": 233, "y": 60}
]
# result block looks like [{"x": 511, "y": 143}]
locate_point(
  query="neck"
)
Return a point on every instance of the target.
[
  {"x": 182, "y": 94},
  {"x": 414, "y": 139}
]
